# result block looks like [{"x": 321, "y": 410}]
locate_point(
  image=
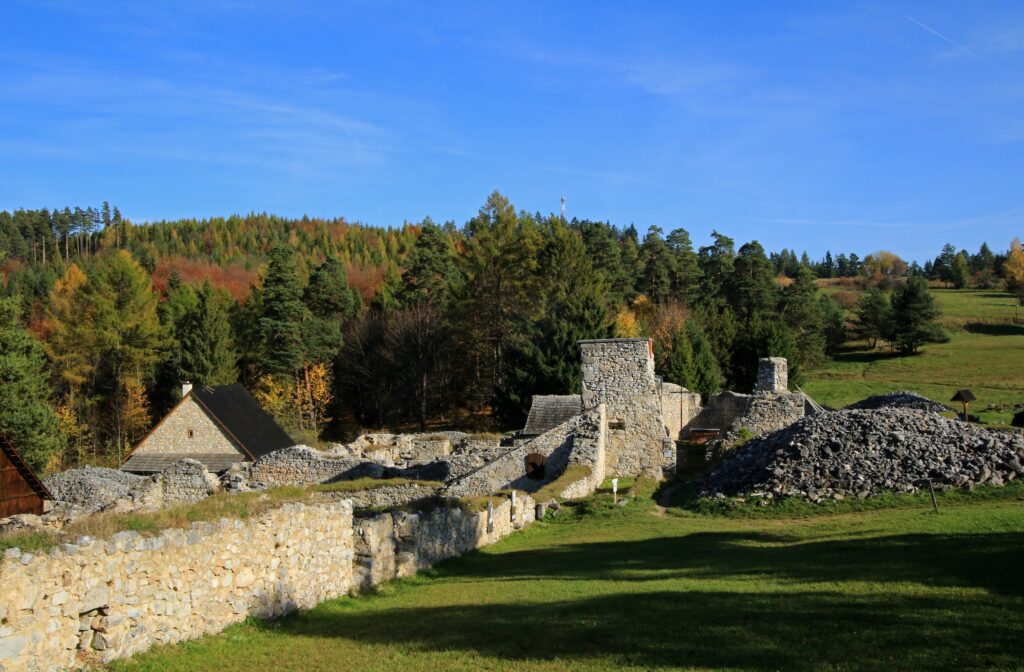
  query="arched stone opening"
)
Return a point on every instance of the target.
[{"x": 535, "y": 466}]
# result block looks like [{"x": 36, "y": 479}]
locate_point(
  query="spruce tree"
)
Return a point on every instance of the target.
[
  {"x": 914, "y": 316},
  {"x": 26, "y": 415},
  {"x": 801, "y": 309},
  {"x": 430, "y": 270},
  {"x": 329, "y": 300},
  {"x": 282, "y": 314},
  {"x": 707, "y": 376},
  {"x": 208, "y": 353}
]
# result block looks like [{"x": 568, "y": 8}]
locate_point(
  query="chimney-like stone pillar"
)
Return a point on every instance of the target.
[
  {"x": 186, "y": 387},
  {"x": 772, "y": 375}
]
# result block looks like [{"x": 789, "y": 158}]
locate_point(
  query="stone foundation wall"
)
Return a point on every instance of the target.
[
  {"x": 111, "y": 599},
  {"x": 580, "y": 440},
  {"x": 97, "y": 601},
  {"x": 388, "y": 496},
  {"x": 301, "y": 465},
  {"x": 678, "y": 407},
  {"x": 397, "y": 544}
]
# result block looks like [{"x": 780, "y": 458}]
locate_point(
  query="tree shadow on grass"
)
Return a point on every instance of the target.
[
  {"x": 994, "y": 329},
  {"x": 703, "y": 629},
  {"x": 988, "y": 561},
  {"x": 761, "y": 627},
  {"x": 866, "y": 356}
]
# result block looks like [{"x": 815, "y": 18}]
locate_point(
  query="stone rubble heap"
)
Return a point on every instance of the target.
[
  {"x": 900, "y": 399},
  {"x": 97, "y": 487},
  {"x": 860, "y": 453}
]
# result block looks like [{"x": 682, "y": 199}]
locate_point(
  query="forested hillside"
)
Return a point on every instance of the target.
[{"x": 334, "y": 325}]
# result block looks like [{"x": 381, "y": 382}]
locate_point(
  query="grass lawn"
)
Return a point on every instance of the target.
[
  {"x": 985, "y": 353},
  {"x": 639, "y": 588}
]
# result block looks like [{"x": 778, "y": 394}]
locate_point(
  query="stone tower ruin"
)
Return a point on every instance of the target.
[{"x": 620, "y": 374}]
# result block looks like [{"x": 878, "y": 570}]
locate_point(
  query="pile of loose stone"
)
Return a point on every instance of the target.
[
  {"x": 96, "y": 487},
  {"x": 860, "y": 453},
  {"x": 900, "y": 399}
]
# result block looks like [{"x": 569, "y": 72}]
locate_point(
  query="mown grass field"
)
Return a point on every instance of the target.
[
  {"x": 985, "y": 354},
  {"x": 641, "y": 588}
]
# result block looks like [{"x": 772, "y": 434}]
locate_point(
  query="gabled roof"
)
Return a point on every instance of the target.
[
  {"x": 242, "y": 419},
  {"x": 549, "y": 411},
  {"x": 965, "y": 396},
  {"x": 23, "y": 468},
  {"x": 238, "y": 416}
]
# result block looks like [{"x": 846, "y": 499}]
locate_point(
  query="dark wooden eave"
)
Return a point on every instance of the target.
[{"x": 23, "y": 468}]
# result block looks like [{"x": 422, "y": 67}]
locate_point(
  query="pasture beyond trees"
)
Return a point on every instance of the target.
[
  {"x": 985, "y": 353},
  {"x": 639, "y": 588}
]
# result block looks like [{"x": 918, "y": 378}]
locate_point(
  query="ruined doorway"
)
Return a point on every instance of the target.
[{"x": 535, "y": 466}]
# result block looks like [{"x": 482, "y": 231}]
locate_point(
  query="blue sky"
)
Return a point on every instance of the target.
[{"x": 811, "y": 125}]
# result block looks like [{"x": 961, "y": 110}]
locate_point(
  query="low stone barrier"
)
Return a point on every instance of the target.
[
  {"x": 105, "y": 600},
  {"x": 111, "y": 599}
]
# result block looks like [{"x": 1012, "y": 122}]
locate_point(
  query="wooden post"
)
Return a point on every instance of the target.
[
  {"x": 966, "y": 419},
  {"x": 931, "y": 489}
]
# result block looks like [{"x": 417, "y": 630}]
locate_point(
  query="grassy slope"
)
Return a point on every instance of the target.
[
  {"x": 985, "y": 354},
  {"x": 631, "y": 589}
]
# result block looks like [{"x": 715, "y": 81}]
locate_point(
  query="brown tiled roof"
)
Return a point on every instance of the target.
[{"x": 549, "y": 411}]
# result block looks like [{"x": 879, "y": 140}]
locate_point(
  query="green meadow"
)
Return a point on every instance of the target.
[
  {"x": 985, "y": 353},
  {"x": 645, "y": 588}
]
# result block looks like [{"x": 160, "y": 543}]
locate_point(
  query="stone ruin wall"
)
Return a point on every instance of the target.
[
  {"x": 579, "y": 440},
  {"x": 678, "y": 407},
  {"x": 620, "y": 374},
  {"x": 171, "y": 435},
  {"x": 119, "y": 597},
  {"x": 108, "y": 600},
  {"x": 302, "y": 465}
]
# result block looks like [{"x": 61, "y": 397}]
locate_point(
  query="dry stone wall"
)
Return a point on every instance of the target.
[
  {"x": 301, "y": 465},
  {"x": 580, "y": 440},
  {"x": 111, "y": 599},
  {"x": 97, "y": 601}
]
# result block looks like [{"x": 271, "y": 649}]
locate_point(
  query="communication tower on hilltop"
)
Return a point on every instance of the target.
[{"x": 563, "y": 208}]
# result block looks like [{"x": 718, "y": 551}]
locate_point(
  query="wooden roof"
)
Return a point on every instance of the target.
[
  {"x": 965, "y": 396},
  {"x": 549, "y": 411},
  {"x": 27, "y": 484}
]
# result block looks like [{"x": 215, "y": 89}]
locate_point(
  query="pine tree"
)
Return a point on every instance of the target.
[
  {"x": 752, "y": 288},
  {"x": 282, "y": 314},
  {"x": 657, "y": 267},
  {"x": 874, "y": 316},
  {"x": 27, "y": 418},
  {"x": 685, "y": 267},
  {"x": 716, "y": 265},
  {"x": 679, "y": 364},
  {"x": 914, "y": 316}
]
